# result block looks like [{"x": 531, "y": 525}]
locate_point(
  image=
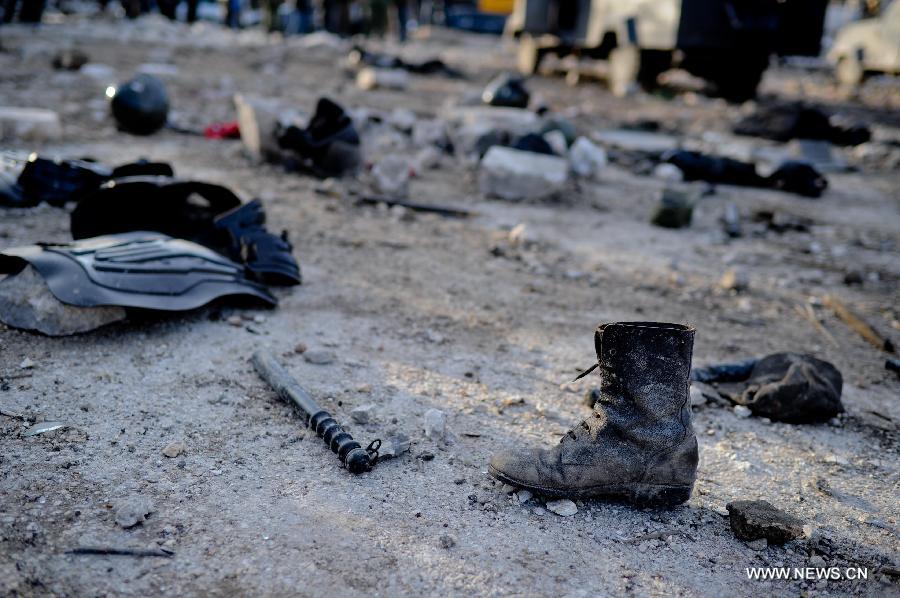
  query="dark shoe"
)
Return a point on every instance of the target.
[{"x": 639, "y": 445}]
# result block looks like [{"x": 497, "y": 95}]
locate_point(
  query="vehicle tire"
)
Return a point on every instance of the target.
[
  {"x": 849, "y": 72},
  {"x": 529, "y": 55},
  {"x": 624, "y": 65},
  {"x": 653, "y": 63}
]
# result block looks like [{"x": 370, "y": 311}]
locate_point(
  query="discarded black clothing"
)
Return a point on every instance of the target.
[
  {"x": 799, "y": 178},
  {"x": 208, "y": 214},
  {"x": 506, "y": 90},
  {"x": 714, "y": 169},
  {"x": 28, "y": 181},
  {"x": 140, "y": 105},
  {"x": 359, "y": 55},
  {"x": 788, "y": 387},
  {"x": 137, "y": 270},
  {"x": 329, "y": 145},
  {"x": 791, "y": 176},
  {"x": 784, "y": 122},
  {"x": 532, "y": 142}
]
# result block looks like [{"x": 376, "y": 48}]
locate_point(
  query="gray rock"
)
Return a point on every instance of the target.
[
  {"x": 319, "y": 357},
  {"x": 133, "y": 511},
  {"x": 668, "y": 172},
  {"x": 29, "y": 124},
  {"x": 394, "y": 446},
  {"x": 562, "y": 507},
  {"x": 756, "y": 519},
  {"x": 391, "y": 175},
  {"x": 642, "y": 141},
  {"x": 512, "y": 174},
  {"x": 27, "y": 303},
  {"x": 363, "y": 413},
  {"x": 742, "y": 412},
  {"x": 447, "y": 541},
  {"x": 173, "y": 449},
  {"x": 586, "y": 158},
  {"x": 435, "y": 423}
]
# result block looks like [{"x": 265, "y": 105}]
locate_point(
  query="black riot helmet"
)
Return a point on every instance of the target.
[{"x": 141, "y": 105}]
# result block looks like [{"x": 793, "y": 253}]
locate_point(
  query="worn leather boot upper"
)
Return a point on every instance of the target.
[{"x": 639, "y": 443}]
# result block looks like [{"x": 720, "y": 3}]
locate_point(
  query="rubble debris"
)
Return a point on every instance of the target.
[
  {"x": 557, "y": 141},
  {"x": 858, "y": 325},
  {"x": 44, "y": 427},
  {"x": 328, "y": 145},
  {"x": 391, "y": 175},
  {"x": 370, "y": 78},
  {"x": 362, "y": 414},
  {"x": 173, "y": 449},
  {"x": 734, "y": 280},
  {"x": 506, "y": 90},
  {"x": 140, "y": 105},
  {"x": 355, "y": 458},
  {"x": 675, "y": 209},
  {"x": 793, "y": 388},
  {"x": 70, "y": 59},
  {"x": 586, "y": 159},
  {"x": 637, "y": 141},
  {"x": 29, "y": 124},
  {"x": 780, "y": 222},
  {"x": 394, "y": 446},
  {"x": 26, "y": 303},
  {"x": 359, "y": 56},
  {"x": 99, "y": 272},
  {"x": 133, "y": 511},
  {"x": 668, "y": 172},
  {"x": 741, "y": 411},
  {"x": 448, "y": 211},
  {"x": 514, "y": 175},
  {"x": 113, "y": 551},
  {"x": 195, "y": 211},
  {"x": 435, "y": 424},
  {"x": 784, "y": 122},
  {"x": 758, "y": 519},
  {"x": 731, "y": 221},
  {"x": 563, "y": 507}
]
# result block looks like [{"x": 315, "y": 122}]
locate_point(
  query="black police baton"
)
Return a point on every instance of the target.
[{"x": 355, "y": 458}]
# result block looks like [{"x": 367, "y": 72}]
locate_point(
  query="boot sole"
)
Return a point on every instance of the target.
[{"x": 641, "y": 495}]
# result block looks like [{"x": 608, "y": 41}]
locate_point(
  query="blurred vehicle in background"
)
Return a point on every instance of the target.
[
  {"x": 866, "y": 47},
  {"x": 727, "y": 42}
]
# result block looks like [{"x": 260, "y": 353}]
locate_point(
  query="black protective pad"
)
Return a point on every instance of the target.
[
  {"x": 204, "y": 213},
  {"x": 144, "y": 270}
]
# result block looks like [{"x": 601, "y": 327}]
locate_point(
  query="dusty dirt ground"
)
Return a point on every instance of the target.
[{"x": 425, "y": 312}]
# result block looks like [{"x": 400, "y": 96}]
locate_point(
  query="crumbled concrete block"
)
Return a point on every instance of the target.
[
  {"x": 372, "y": 78},
  {"x": 29, "y": 124},
  {"x": 515, "y": 175}
]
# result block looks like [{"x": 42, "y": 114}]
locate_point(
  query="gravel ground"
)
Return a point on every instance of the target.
[{"x": 423, "y": 312}]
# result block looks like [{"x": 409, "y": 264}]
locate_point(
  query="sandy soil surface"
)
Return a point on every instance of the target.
[{"x": 426, "y": 312}]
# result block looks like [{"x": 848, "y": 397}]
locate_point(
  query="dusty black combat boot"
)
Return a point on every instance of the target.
[{"x": 639, "y": 444}]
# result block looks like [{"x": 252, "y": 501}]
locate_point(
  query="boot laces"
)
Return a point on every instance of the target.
[{"x": 576, "y": 430}]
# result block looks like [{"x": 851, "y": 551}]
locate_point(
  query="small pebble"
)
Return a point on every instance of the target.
[
  {"x": 447, "y": 541},
  {"x": 563, "y": 507},
  {"x": 235, "y": 321},
  {"x": 300, "y": 348},
  {"x": 26, "y": 364},
  {"x": 742, "y": 411},
  {"x": 173, "y": 449}
]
